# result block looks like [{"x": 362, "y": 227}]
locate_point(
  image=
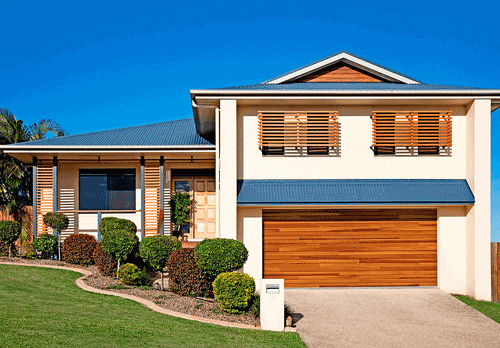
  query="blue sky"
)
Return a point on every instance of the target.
[{"x": 92, "y": 65}]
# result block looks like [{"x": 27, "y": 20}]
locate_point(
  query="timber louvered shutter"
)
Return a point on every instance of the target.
[
  {"x": 153, "y": 216},
  {"x": 416, "y": 132},
  {"x": 44, "y": 194}
]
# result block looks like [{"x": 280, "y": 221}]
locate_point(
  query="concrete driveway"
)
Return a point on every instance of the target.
[{"x": 389, "y": 318}]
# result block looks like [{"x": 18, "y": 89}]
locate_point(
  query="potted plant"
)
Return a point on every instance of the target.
[{"x": 180, "y": 205}]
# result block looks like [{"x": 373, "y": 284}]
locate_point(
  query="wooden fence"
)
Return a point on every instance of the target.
[
  {"x": 495, "y": 277},
  {"x": 5, "y": 216}
]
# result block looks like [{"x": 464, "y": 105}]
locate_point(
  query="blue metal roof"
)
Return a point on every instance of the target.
[
  {"x": 349, "y": 86},
  {"x": 333, "y": 55},
  {"x": 353, "y": 192},
  {"x": 171, "y": 133}
]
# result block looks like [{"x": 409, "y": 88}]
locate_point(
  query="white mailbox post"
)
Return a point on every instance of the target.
[{"x": 272, "y": 304}]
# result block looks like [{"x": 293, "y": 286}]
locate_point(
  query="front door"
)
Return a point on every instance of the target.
[{"x": 202, "y": 191}]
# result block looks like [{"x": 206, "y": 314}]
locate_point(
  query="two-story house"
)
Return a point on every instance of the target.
[{"x": 341, "y": 173}]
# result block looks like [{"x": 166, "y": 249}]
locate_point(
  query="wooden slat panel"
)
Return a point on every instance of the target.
[
  {"x": 351, "y": 248},
  {"x": 45, "y": 195},
  {"x": 153, "y": 216},
  {"x": 339, "y": 73},
  {"x": 423, "y": 131},
  {"x": 298, "y": 129}
]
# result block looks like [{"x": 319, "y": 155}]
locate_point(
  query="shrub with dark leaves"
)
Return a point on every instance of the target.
[
  {"x": 185, "y": 277},
  {"x": 9, "y": 232},
  {"x": 105, "y": 262},
  {"x": 78, "y": 249},
  {"x": 4, "y": 249}
]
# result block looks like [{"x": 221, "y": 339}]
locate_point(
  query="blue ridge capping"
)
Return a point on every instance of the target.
[
  {"x": 170, "y": 133},
  {"x": 354, "y": 192}
]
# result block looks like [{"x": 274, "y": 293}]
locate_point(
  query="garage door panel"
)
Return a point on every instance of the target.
[{"x": 312, "y": 251}]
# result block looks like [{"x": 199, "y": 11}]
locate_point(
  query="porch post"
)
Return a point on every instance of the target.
[
  {"x": 162, "y": 184},
  {"x": 142, "y": 199},
  {"x": 54, "y": 198},
  {"x": 33, "y": 222}
]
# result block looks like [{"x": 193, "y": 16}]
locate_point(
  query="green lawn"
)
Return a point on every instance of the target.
[
  {"x": 42, "y": 307},
  {"x": 490, "y": 309}
]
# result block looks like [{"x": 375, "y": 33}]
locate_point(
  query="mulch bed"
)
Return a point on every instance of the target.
[{"x": 201, "y": 307}]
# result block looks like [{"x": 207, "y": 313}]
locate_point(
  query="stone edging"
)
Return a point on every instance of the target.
[{"x": 142, "y": 301}]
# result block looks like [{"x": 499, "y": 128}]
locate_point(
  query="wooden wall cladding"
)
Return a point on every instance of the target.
[
  {"x": 44, "y": 194},
  {"x": 339, "y": 73},
  {"x": 343, "y": 249}
]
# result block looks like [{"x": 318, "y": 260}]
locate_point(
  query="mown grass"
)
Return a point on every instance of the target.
[
  {"x": 42, "y": 307},
  {"x": 490, "y": 309}
]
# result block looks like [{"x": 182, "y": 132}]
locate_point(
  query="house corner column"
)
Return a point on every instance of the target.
[
  {"x": 142, "y": 199},
  {"x": 228, "y": 172},
  {"x": 479, "y": 215},
  {"x": 34, "y": 198},
  {"x": 250, "y": 233}
]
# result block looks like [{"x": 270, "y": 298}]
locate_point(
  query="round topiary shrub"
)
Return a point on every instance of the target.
[
  {"x": 56, "y": 220},
  {"x": 9, "y": 232},
  {"x": 156, "y": 250},
  {"x": 114, "y": 223},
  {"x": 105, "y": 262},
  {"x": 130, "y": 274},
  {"x": 234, "y": 291},
  {"x": 186, "y": 278},
  {"x": 46, "y": 244},
  {"x": 219, "y": 255},
  {"x": 78, "y": 249},
  {"x": 119, "y": 243}
]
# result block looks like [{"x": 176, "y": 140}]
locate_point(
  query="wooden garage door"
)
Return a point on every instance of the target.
[{"x": 348, "y": 248}]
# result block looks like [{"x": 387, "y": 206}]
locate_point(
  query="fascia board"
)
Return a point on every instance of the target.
[
  {"x": 348, "y": 57},
  {"x": 102, "y": 149},
  {"x": 491, "y": 93}
]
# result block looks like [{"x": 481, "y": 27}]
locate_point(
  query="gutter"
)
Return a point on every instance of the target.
[
  {"x": 104, "y": 148},
  {"x": 229, "y": 92}
]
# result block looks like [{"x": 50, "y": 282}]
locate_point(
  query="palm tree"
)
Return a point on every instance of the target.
[{"x": 15, "y": 177}]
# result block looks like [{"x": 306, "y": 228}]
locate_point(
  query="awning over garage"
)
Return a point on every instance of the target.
[{"x": 354, "y": 192}]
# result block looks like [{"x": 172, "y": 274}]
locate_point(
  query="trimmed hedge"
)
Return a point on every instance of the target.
[
  {"x": 79, "y": 249},
  {"x": 9, "y": 232},
  {"x": 46, "y": 244},
  {"x": 156, "y": 250},
  {"x": 219, "y": 255},
  {"x": 234, "y": 291},
  {"x": 105, "y": 262},
  {"x": 185, "y": 277},
  {"x": 130, "y": 274},
  {"x": 56, "y": 220},
  {"x": 114, "y": 223}
]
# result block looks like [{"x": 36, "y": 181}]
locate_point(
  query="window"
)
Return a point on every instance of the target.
[
  {"x": 411, "y": 133},
  {"x": 102, "y": 189},
  {"x": 289, "y": 133},
  {"x": 183, "y": 186}
]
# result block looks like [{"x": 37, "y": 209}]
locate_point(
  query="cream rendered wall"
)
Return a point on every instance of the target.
[
  {"x": 357, "y": 160},
  {"x": 452, "y": 249},
  {"x": 250, "y": 233},
  {"x": 479, "y": 216}
]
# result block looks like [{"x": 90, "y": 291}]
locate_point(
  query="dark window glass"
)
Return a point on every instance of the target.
[
  {"x": 182, "y": 186},
  {"x": 107, "y": 189}
]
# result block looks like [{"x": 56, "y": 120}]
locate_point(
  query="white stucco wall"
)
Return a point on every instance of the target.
[
  {"x": 250, "y": 233},
  {"x": 452, "y": 249},
  {"x": 357, "y": 160}
]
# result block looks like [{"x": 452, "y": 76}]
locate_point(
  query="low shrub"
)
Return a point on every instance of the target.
[
  {"x": 220, "y": 255},
  {"x": 119, "y": 243},
  {"x": 255, "y": 306},
  {"x": 30, "y": 255},
  {"x": 46, "y": 244},
  {"x": 234, "y": 291},
  {"x": 4, "y": 249},
  {"x": 185, "y": 277},
  {"x": 105, "y": 262},
  {"x": 156, "y": 250},
  {"x": 113, "y": 223},
  {"x": 79, "y": 249},
  {"x": 9, "y": 232},
  {"x": 130, "y": 274}
]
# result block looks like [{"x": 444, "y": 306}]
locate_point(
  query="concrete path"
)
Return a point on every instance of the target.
[{"x": 389, "y": 318}]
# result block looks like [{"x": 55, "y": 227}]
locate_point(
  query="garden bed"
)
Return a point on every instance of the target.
[{"x": 202, "y": 307}]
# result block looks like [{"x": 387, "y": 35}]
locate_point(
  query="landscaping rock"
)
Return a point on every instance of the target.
[{"x": 157, "y": 284}]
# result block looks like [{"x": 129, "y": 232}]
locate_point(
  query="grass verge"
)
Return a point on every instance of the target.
[
  {"x": 490, "y": 309},
  {"x": 43, "y": 307}
]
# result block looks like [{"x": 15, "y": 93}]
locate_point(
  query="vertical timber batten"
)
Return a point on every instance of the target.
[
  {"x": 34, "y": 194},
  {"x": 54, "y": 172},
  {"x": 142, "y": 199},
  {"x": 162, "y": 184}
]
